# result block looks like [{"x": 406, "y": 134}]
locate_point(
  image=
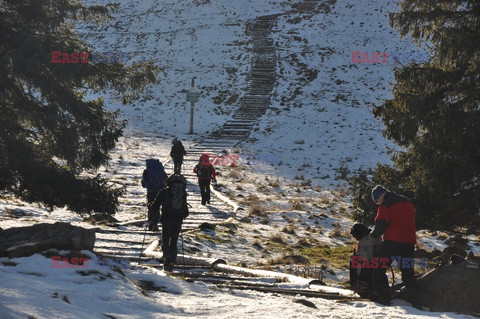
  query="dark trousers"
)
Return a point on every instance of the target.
[
  {"x": 170, "y": 231},
  {"x": 204, "y": 190},
  {"x": 177, "y": 166},
  {"x": 380, "y": 281},
  {"x": 153, "y": 212}
]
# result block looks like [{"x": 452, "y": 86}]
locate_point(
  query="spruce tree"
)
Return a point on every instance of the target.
[
  {"x": 435, "y": 116},
  {"x": 50, "y": 132}
]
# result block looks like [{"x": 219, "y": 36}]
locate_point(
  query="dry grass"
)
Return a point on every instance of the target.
[
  {"x": 277, "y": 238},
  {"x": 336, "y": 231},
  {"x": 275, "y": 183},
  {"x": 442, "y": 236},
  {"x": 296, "y": 205},
  {"x": 251, "y": 200},
  {"x": 311, "y": 271},
  {"x": 233, "y": 172},
  {"x": 303, "y": 242},
  {"x": 324, "y": 199},
  {"x": 263, "y": 189},
  {"x": 290, "y": 229},
  {"x": 257, "y": 210}
]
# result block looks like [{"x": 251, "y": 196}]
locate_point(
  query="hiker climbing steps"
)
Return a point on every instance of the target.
[{"x": 130, "y": 236}]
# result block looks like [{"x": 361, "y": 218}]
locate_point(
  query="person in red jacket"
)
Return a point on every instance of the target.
[
  {"x": 395, "y": 220},
  {"x": 205, "y": 172}
]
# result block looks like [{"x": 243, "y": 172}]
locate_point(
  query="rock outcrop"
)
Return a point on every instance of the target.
[
  {"x": 453, "y": 287},
  {"x": 26, "y": 241}
]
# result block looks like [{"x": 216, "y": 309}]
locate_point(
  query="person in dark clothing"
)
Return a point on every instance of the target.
[
  {"x": 173, "y": 200},
  {"x": 205, "y": 173},
  {"x": 153, "y": 179},
  {"x": 153, "y": 215},
  {"x": 395, "y": 220},
  {"x": 177, "y": 153}
]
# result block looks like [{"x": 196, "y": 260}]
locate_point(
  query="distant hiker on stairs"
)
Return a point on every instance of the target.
[
  {"x": 177, "y": 153},
  {"x": 205, "y": 172},
  {"x": 173, "y": 200}
]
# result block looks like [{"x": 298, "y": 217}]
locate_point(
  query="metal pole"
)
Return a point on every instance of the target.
[
  {"x": 183, "y": 251},
  {"x": 143, "y": 241},
  {"x": 192, "y": 107}
]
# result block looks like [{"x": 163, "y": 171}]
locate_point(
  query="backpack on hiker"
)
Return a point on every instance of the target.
[
  {"x": 203, "y": 171},
  {"x": 176, "y": 197},
  {"x": 154, "y": 176},
  {"x": 360, "y": 277}
]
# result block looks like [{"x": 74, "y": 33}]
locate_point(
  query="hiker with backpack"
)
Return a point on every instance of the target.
[
  {"x": 395, "y": 220},
  {"x": 205, "y": 173},
  {"x": 177, "y": 153},
  {"x": 153, "y": 179},
  {"x": 173, "y": 200},
  {"x": 361, "y": 277}
]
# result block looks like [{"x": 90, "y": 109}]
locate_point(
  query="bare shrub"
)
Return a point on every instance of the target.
[{"x": 297, "y": 205}]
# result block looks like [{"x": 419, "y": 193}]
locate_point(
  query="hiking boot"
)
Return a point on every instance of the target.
[
  {"x": 384, "y": 301},
  {"x": 381, "y": 299},
  {"x": 168, "y": 265},
  {"x": 208, "y": 201},
  {"x": 418, "y": 306},
  {"x": 154, "y": 228},
  {"x": 203, "y": 202}
]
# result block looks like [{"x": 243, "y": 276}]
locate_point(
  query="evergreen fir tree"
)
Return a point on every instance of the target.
[
  {"x": 49, "y": 132},
  {"x": 435, "y": 115}
]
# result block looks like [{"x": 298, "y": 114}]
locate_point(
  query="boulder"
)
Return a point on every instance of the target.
[
  {"x": 421, "y": 253},
  {"x": 457, "y": 240},
  {"x": 434, "y": 253},
  {"x": 453, "y": 287},
  {"x": 455, "y": 250},
  {"x": 26, "y": 241},
  {"x": 207, "y": 226}
]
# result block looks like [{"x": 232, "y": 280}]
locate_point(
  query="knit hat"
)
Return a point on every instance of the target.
[{"x": 377, "y": 192}]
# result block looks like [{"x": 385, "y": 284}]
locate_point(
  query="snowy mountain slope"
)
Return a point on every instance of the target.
[
  {"x": 202, "y": 39},
  {"x": 320, "y": 118},
  {"x": 31, "y": 287},
  {"x": 331, "y": 114},
  {"x": 320, "y": 114}
]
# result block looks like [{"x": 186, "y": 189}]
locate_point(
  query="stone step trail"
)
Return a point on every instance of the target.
[{"x": 127, "y": 240}]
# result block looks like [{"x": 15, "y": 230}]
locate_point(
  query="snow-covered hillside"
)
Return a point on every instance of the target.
[{"x": 319, "y": 125}]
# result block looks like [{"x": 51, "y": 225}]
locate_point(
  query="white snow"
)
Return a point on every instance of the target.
[{"x": 326, "y": 127}]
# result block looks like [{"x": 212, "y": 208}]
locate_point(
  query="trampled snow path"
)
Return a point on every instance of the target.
[{"x": 129, "y": 239}]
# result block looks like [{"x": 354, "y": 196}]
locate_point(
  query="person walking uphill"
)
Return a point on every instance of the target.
[
  {"x": 153, "y": 179},
  {"x": 173, "y": 200},
  {"x": 205, "y": 172},
  {"x": 177, "y": 153},
  {"x": 395, "y": 220}
]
